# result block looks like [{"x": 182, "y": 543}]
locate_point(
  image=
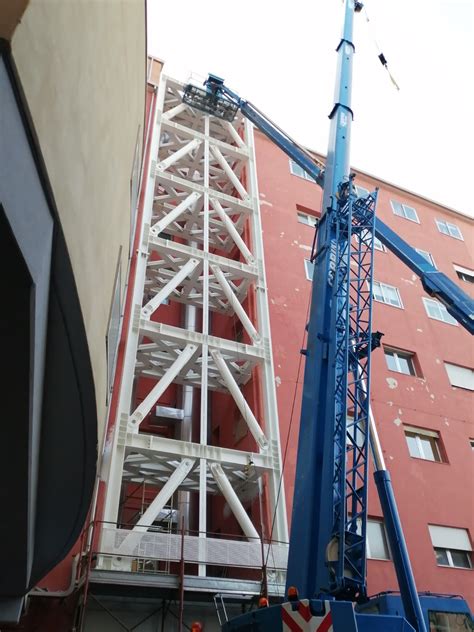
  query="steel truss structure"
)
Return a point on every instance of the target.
[
  {"x": 200, "y": 246},
  {"x": 353, "y": 255}
]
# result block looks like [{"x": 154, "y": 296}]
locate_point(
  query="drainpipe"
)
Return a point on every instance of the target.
[
  {"x": 39, "y": 592},
  {"x": 186, "y": 427}
]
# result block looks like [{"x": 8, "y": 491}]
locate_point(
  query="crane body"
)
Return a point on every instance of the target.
[{"x": 327, "y": 554}]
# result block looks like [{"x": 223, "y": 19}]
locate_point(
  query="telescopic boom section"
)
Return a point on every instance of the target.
[{"x": 321, "y": 526}]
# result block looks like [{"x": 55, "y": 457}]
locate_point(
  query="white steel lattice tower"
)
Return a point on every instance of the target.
[{"x": 200, "y": 267}]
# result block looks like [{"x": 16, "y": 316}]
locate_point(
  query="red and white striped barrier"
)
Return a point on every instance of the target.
[{"x": 301, "y": 619}]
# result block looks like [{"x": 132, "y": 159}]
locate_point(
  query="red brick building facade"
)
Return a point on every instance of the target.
[{"x": 422, "y": 377}]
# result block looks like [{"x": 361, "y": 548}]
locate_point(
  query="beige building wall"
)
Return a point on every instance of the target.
[{"x": 82, "y": 66}]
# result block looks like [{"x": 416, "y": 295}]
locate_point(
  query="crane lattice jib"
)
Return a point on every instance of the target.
[{"x": 353, "y": 251}]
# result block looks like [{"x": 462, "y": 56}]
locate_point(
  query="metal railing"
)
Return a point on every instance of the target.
[{"x": 152, "y": 550}]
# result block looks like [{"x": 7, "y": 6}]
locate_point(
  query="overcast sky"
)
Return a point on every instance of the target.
[{"x": 281, "y": 56}]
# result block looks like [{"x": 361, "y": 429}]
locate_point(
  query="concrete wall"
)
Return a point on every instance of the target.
[{"x": 82, "y": 66}]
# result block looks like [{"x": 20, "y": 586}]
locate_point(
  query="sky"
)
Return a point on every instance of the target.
[{"x": 281, "y": 57}]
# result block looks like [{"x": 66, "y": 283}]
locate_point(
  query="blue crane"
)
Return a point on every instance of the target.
[{"x": 327, "y": 554}]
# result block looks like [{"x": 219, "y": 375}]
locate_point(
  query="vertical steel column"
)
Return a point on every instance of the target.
[
  {"x": 275, "y": 483},
  {"x": 203, "y": 430},
  {"x": 114, "y": 451}
]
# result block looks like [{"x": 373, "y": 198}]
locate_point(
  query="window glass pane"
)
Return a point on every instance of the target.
[
  {"x": 441, "y": 557},
  {"x": 449, "y": 621},
  {"x": 309, "y": 269},
  {"x": 465, "y": 276},
  {"x": 306, "y": 218},
  {"x": 302, "y": 218},
  {"x": 397, "y": 208},
  {"x": 296, "y": 169},
  {"x": 432, "y": 308},
  {"x": 428, "y": 448},
  {"x": 423, "y": 445},
  {"x": 377, "y": 292},
  {"x": 426, "y": 255},
  {"x": 377, "y": 541},
  {"x": 391, "y": 295},
  {"x": 386, "y": 294},
  {"x": 454, "y": 231},
  {"x": 361, "y": 192},
  {"x": 391, "y": 361},
  {"x": 442, "y": 227},
  {"x": 446, "y": 316},
  {"x": 438, "y": 311},
  {"x": 410, "y": 213},
  {"x": 378, "y": 245},
  {"x": 406, "y": 365},
  {"x": 412, "y": 445},
  {"x": 356, "y": 434},
  {"x": 460, "y": 559},
  {"x": 365, "y": 237}
]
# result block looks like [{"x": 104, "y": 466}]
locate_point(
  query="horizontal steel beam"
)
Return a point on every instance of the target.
[
  {"x": 240, "y": 153},
  {"x": 189, "y": 185},
  {"x": 236, "y": 350},
  {"x": 239, "y": 269},
  {"x": 148, "y": 444}
]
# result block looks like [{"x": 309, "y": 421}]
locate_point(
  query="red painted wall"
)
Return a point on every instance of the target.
[{"x": 427, "y": 492}]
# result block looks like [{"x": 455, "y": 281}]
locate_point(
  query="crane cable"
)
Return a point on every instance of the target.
[{"x": 380, "y": 55}]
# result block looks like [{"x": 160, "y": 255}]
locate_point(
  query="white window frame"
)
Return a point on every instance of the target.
[
  {"x": 309, "y": 269},
  {"x": 465, "y": 380},
  {"x": 450, "y": 558},
  {"x": 449, "y": 539},
  {"x": 397, "y": 354},
  {"x": 307, "y": 219},
  {"x": 381, "y": 286},
  {"x": 448, "y": 229},
  {"x": 404, "y": 208},
  {"x": 378, "y": 245},
  {"x": 385, "y": 541},
  {"x": 294, "y": 170},
  {"x": 460, "y": 270},
  {"x": 422, "y": 432},
  {"x": 426, "y": 255},
  {"x": 445, "y": 316},
  {"x": 349, "y": 433}
]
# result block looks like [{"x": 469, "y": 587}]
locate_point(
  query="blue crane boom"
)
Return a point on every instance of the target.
[{"x": 327, "y": 555}]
